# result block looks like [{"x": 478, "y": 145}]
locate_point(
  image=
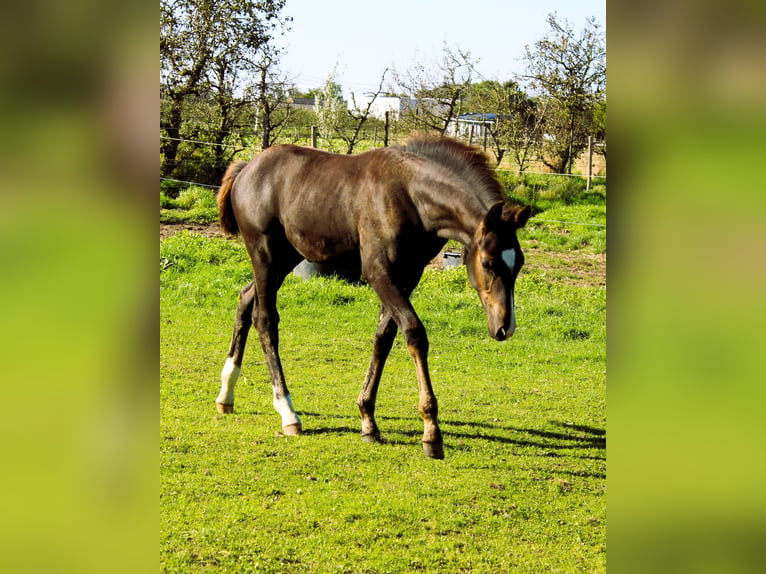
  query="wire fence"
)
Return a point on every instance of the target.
[
  {"x": 567, "y": 222},
  {"x": 376, "y": 141},
  {"x": 200, "y": 142},
  {"x": 189, "y": 182}
]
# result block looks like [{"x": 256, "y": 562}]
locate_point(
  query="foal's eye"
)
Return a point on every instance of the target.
[{"x": 486, "y": 263}]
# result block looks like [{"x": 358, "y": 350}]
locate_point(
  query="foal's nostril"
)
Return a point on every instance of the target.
[{"x": 501, "y": 334}]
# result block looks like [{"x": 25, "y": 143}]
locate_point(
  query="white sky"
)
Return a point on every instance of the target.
[{"x": 364, "y": 37}]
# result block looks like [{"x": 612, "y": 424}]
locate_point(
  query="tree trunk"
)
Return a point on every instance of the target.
[
  {"x": 169, "y": 147},
  {"x": 266, "y": 127}
]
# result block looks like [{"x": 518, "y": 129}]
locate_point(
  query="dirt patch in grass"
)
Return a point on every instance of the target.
[
  {"x": 170, "y": 229},
  {"x": 571, "y": 267},
  {"x": 577, "y": 268}
]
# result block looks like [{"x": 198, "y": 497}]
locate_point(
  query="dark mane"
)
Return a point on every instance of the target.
[{"x": 469, "y": 163}]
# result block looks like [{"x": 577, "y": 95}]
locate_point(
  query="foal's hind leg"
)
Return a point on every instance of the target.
[
  {"x": 384, "y": 339},
  {"x": 231, "y": 368},
  {"x": 272, "y": 262}
]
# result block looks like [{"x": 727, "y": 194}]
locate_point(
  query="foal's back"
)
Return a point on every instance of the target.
[{"x": 321, "y": 200}]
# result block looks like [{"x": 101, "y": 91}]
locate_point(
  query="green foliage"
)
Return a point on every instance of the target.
[
  {"x": 171, "y": 188},
  {"x": 165, "y": 201},
  {"x": 207, "y": 51},
  {"x": 196, "y": 198},
  {"x": 522, "y": 488},
  {"x": 569, "y": 73},
  {"x": 566, "y": 189}
]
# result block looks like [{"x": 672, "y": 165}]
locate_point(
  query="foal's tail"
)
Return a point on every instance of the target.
[{"x": 225, "y": 210}]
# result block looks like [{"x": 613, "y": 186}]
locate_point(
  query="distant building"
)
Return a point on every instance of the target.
[
  {"x": 474, "y": 126},
  {"x": 395, "y": 105},
  {"x": 303, "y": 103}
]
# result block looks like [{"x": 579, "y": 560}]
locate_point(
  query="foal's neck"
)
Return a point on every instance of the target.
[
  {"x": 450, "y": 206},
  {"x": 459, "y": 222}
]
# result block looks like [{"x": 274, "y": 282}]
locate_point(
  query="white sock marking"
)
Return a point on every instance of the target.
[
  {"x": 229, "y": 376},
  {"x": 284, "y": 407},
  {"x": 509, "y": 258}
]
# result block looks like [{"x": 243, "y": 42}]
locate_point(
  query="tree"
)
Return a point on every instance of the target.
[
  {"x": 439, "y": 91},
  {"x": 359, "y": 114},
  {"x": 209, "y": 50},
  {"x": 272, "y": 95},
  {"x": 515, "y": 121},
  {"x": 330, "y": 108},
  {"x": 599, "y": 127},
  {"x": 523, "y": 129},
  {"x": 569, "y": 74}
]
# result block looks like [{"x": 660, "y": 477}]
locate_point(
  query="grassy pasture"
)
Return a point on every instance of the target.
[
  {"x": 193, "y": 205},
  {"x": 522, "y": 487}
]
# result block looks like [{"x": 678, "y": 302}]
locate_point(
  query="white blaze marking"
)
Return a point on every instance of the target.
[
  {"x": 509, "y": 257},
  {"x": 284, "y": 406},
  {"x": 229, "y": 376}
]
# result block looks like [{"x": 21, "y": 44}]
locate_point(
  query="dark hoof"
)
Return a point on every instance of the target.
[
  {"x": 372, "y": 438},
  {"x": 292, "y": 430},
  {"x": 434, "y": 450},
  {"x": 224, "y": 409}
]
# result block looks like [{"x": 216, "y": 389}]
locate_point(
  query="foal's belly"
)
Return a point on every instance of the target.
[{"x": 325, "y": 248}]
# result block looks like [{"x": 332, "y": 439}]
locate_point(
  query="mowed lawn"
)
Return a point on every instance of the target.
[{"x": 523, "y": 484}]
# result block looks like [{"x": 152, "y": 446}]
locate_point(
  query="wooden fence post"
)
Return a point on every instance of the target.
[
  {"x": 590, "y": 162},
  {"x": 314, "y": 134}
]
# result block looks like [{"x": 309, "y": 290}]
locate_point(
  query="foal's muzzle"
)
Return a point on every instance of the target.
[
  {"x": 504, "y": 333},
  {"x": 504, "y": 328}
]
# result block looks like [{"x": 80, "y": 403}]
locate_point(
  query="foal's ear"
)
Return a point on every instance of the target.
[
  {"x": 501, "y": 214},
  {"x": 518, "y": 216},
  {"x": 521, "y": 216},
  {"x": 493, "y": 221}
]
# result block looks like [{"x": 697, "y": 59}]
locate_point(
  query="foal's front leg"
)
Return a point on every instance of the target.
[
  {"x": 397, "y": 303},
  {"x": 417, "y": 345}
]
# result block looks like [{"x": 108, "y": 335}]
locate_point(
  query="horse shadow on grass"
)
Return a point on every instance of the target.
[{"x": 572, "y": 441}]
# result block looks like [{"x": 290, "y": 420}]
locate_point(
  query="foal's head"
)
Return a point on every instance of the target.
[{"x": 493, "y": 261}]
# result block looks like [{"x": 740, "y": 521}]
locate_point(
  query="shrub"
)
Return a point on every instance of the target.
[
  {"x": 566, "y": 189},
  {"x": 166, "y": 202},
  {"x": 171, "y": 188},
  {"x": 196, "y": 198}
]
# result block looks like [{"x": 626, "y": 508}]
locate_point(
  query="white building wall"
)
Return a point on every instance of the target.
[{"x": 383, "y": 104}]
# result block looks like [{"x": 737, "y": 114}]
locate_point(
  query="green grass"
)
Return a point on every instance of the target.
[
  {"x": 522, "y": 487},
  {"x": 193, "y": 205},
  {"x": 569, "y": 228}
]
